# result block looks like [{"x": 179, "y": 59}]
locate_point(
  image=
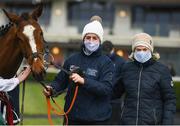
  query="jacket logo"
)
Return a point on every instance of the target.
[
  {"x": 91, "y": 72},
  {"x": 73, "y": 67}
]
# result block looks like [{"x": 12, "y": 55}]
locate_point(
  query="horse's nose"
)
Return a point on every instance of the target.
[
  {"x": 40, "y": 76},
  {"x": 38, "y": 70}
]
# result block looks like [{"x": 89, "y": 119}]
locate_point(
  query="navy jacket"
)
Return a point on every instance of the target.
[
  {"x": 118, "y": 63},
  {"x": 150, "y": 98},
  {"x": 92, "y": 103}
]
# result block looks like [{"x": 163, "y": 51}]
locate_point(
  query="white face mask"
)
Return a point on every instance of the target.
[
  {"x": 91, "y": 46},
  {"x": 142, "y": 56}
]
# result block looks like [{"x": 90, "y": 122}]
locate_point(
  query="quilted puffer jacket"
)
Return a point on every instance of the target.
[{"x": 150, "y": 98}]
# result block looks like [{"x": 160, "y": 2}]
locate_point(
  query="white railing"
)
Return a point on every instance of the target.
[{"x": 176, "y": 78}]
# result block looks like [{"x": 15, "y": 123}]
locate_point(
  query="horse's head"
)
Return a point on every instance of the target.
[{"x": 30, "y": 38}]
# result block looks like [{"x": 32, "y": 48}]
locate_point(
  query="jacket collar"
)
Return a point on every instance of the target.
[{"x": 146, "y": 64}]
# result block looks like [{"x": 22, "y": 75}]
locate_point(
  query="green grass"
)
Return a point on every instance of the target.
[
  {"x": 41, "y": 121},
  {"x": 49, "y": 77},
  {"x": 177, "y": 90},
  {"x": 35, "y": 103}
]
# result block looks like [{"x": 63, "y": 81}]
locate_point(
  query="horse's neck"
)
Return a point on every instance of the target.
[{"x": 10, "y": 54}]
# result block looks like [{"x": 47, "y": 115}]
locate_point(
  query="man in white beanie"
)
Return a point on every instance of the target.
[
  {"x": 92, "y": 35},
  {"x": 147, "y": 84},
  {"x": 92, "y": 105}
]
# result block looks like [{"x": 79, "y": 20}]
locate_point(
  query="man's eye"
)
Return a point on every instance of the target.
[
  {"x": 94, "y": 38},
  {"x": 144, "y": 49},
  {"x": 138, "y": 49},
  {"x": 88, "y": 37}
]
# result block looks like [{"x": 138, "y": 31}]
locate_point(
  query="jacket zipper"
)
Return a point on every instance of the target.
[
  {"x": 139, "y": 84},
  {"x": 122, "y": 105},
  {"x": 122, "y": 113}
]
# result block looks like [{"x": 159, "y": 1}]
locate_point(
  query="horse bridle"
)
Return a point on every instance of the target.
[
  {"x": 47, "y": 56},
  {"x": 36, "y": 55},
  {"x": 41, "y": 55}
]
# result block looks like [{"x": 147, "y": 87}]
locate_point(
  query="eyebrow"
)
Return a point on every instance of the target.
[
  {"x": 94, "y": 37},
  {"x": 141, "y": 49}
]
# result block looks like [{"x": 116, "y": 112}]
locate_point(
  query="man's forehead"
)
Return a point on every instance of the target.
[
  {"x": 91, "y": 34},
  {"x": 141, "y": 47}
]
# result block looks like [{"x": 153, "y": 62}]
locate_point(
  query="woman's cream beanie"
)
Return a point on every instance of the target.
[{"x": 143, "y": 39}]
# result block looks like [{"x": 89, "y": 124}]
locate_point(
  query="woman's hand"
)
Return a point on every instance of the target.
[
  {"x": 76, "y": 78},
  {"x": 47, "y": 92}
]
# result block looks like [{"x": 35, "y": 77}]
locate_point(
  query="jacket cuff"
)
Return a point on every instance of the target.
[{"x": 15, "y": 81}]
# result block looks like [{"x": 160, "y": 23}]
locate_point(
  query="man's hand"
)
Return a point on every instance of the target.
[
  {"x": 24, "y": 74},
  {"x": 77, "y": 78}
]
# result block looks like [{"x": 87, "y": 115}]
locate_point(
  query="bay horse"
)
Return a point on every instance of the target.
[{"x": 22, "y": 38}]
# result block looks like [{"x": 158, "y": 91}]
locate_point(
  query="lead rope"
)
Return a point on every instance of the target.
[
  {"x": 61, "y": 113},
  {"x": 9, "y": 112},
  {"x": 22, "y": 104},
  {"x": 50, "y": 108}
]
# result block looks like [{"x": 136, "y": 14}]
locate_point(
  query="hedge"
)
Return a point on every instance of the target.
[{"x": 177, "y": 90}]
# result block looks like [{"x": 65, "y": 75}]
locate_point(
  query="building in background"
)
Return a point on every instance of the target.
[{"x": 63, "y": 20}]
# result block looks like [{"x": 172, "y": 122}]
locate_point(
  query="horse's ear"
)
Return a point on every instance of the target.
[
  {"x": 11, "y": 16},
  {"x": 37, "y": 12}
]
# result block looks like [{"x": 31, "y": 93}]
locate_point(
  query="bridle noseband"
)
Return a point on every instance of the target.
[
  {"x": 36, "y": 55},
  {"x": 40, "y": 55}
]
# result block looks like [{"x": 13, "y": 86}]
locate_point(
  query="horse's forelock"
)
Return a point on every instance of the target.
[{"x": 25, "y": 16}]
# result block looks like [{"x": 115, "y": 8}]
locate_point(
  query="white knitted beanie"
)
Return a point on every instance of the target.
[
  {"x": 94, "y": 27},
  {"x": 142, "y": 39}
]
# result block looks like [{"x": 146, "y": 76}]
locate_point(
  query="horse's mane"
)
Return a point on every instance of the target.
[{"x": 5, "y": 28}]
